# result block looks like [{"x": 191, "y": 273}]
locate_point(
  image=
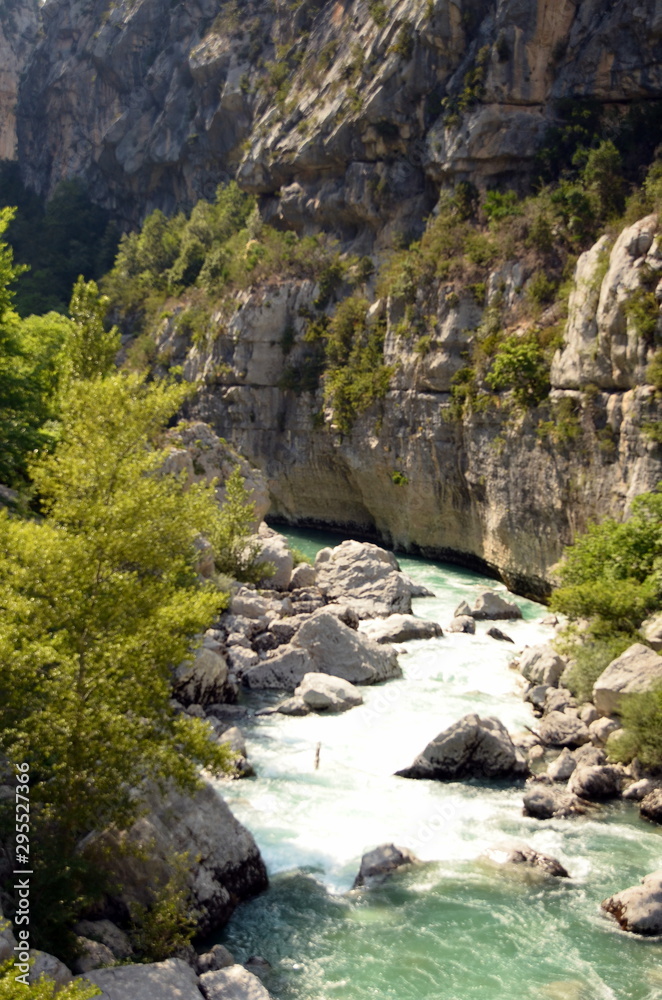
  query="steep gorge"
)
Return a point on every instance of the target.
[{"x": 349, "y": 118}]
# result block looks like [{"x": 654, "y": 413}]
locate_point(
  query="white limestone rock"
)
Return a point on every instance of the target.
[
  {"x": 323, "y": 693},
  {"x": 635, "y": 670}
]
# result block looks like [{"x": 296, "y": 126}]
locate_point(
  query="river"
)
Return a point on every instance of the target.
[{"x": 456, "y": 927}]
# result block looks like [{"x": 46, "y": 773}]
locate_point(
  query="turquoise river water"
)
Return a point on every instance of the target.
[{"x": 455, "y": 928}]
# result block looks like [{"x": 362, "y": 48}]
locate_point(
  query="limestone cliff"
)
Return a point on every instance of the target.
[
  {"x": 18, "y": 36},
  {"x": 331, "y": 111}
]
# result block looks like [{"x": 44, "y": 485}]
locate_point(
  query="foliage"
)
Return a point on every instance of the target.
[
  {"x": 399, "y": 478},
  {"x": 654, "y": 370},
  {"x": 641, "y": 736},
  {"x": 378, "y": 12},
  {"x": 299, "y": 556},
  {"x": 643, "y": 309},
  {"x": 236, "y": 555},
  {"x": 43, "y": 989},
  {"x": 356, "y": 375},
  {"x": 58, "y": 240},
  {"x": 500, "y": 205},
  {"x": 167, "y": 925},
  {"x": 521, "y": 367},
  {"x": 612, "y": 574},
  {"x": 91, "y": 349},
  {"x": 473, "y": 89},
  {"x": 100, "y": 598}
]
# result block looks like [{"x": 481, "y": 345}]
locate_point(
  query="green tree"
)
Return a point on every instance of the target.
[
  {"x": 99, "y": 600},
  {"x": 641, "y": 737},
  {"x": 90, "y": 348},
  {"x": 520, "y": 365},
  {"x": 236, "y": 555}
]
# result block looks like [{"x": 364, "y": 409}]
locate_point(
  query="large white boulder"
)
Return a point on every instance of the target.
[
  {"x": 169, "y": 980},
  {"x": 367, "y": 575},
  {"x": 233, "y": 983},
  {"x": 490, "y": 606},
  {"x": 275, "y": 549},
  {"x": 323, "y": 693},
  {"x": 639, "y": 908},
  {"x": 471, "y": 747},
  {"x": 281, "y": 672},
  {"x": 336, "y": 649},
  {"x": 225, "y": 865},
  {"x": 400, "y": 628},
  {"x": 541, "y": 665},
  {"x": 202, "y": 680},
  {"x": 634, "y": 671}
]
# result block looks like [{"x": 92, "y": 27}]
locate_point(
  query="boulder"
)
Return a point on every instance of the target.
[
  {"x": 537, "y": 695},
  {"x": 588, "y": 713},
  {"x": 169, "y": 980},
  {"x": 225, "y": 865},
  {"x": 377, "y": 864},
  {"x": 323, "y": 693},
  {"x": 558, "y": 729},
  {"x": 462, "y": 623},
  {"x": 639, "y": 908},
  {"x": 601, "y": 729},
  {"x": 635, "y": 670},
  {"x": 522, "y": 854},
  {"x": 283, "y": 630},
  {"x": 241, "y": 659},
  {"x": 293, "y": 706},
  {"x": 275, "y": 551},
  {"x": 599, "y": 781},
  {"x": 234, "y": 983},
  {"x": 367, "y": 575},
  {"x": 106, "y": 933},
  {"x": 541, "y": 665},
  {"x": 463, "y": 610},
  {"x": 652, "y": 632},
  {"x": 247, "y": 603},
  {"x": 344, "y": 612},
  {"x": 235, "y": 738},
  {"x": 281, "y": 672},
  {"x": 218, "y": 957},
  {"x": 49, "y": 966},
  {"x": 651, "y": 806},
  {"x": 589, "y": 756},
  {"x": 638, "y": 790},
  {"x": 471, "y": 747},
  {"x": 496, "y": 633},
  {"x": 338, "y": 650},
  {"x": 203, "y": 680},
  {"x": 400, "y": 628},
  {"x": 547, "y": 802},
  {"x": 558, "y": 700},
  {"x": 491, "y": 606},
  {"x": 91, "y": 955},
  {"x": 561, "y": 768},
  {"x": 303, "y": 575}
]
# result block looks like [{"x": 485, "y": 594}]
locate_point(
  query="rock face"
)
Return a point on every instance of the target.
[
  {"x": 225, "y": 867},
  {"x": 377, "y": 864},
  {"x": 472, "y": 747},
  {"x": 169, "y": 980},
  {"x": 18, "y": 35},
  {"x": 639, "y": 909},
  {"x": 366, "y": 575},
  {"x": 633, "y": 671},
  {"x": 323, "y": 693}
]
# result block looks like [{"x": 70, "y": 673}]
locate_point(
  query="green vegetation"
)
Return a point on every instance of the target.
[
  {"x": 230, "y": 532},
  {"x": 58, "y": 241},
  {"x": 521, "y": 367},
  {"x": 612, "y": 578},
  {"x": 399, "y": 478},
  {"x": 641, "y": 736},
  {"x": 44, "y": 989}
]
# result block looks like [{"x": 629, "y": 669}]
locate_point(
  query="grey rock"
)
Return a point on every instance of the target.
[
  {"x": 203, "y": 680},
  {"x": 537, "y": 695},
  {"x": 93, "y": 955},
  {"x": 589, "y": 756},
  {"x": 541, "y": 665},
  {"x": 241, "y": 659},
  {"x": 638, "y": 790},
  {"x": 303, "y": 575},
  {"x": 335, "y": 649},
  {"x": 601, "y": 729},
  {"x": 49, "y": 966},
  {"x": 492, "y": 606},
  {"x": 601, "y": 781},
  {"x": 588, "y": 713},
  {"x": 169, "y": 980},
  {"x": 547, "y": 802},
  {"x": 248, "y": 603},
  {"x": 283, "y": 630},
  {"x": 218, "y": 957},
  {"x": 234, "y": 983},
  {"x": 237, "y": 742},
  {"x": 561, "y": 768},
  {"x": 367, "y": 575},
  {"x": 106, "y": 933},
  {"x": 558, "y": 729},
  {"x": 382, "y": 861},
  {"x": 558, "y": 700},
  {"x": 275, "y": 550},
  {"x": 651, "y": 806},
  {"x": 462, "y": 623},
  {"x": 323, "y": 693},
  {"x": 463, "y": 610},
  {"x": 400, "y": 628},
  {"x": 344, "y": 613},
  {"x": 496, "y": 633},
  {"x": 635, "y": 670},
  {"x": 293, "y": 706},
  {"x": 522, "y": 854},
  {"x": 281, "y": 672},
  {"x": 652, "y": 632},
  {"x": 7, "y": 940},
  {"x": 258, "y": 965},
  {"x": 471, "y": 747},
  {"x": 639, "y": 908}
]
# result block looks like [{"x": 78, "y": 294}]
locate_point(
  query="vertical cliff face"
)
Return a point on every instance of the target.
[
  {"x": 342, "y": 114},
  {"x": 18, "y": 37}
]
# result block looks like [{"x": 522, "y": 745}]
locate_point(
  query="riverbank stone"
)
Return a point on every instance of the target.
[
  {"x": 541, "y": 665},
  {"x": 471, "y": 747},
  {"x": 559, "y": 729},
  {"x": 233, "y": 983},
  {"x": 400, "y": 628},
  {"x": 323, "y": 693},
  {"x": 377, "y": 864},
  {"x": 522, "y": 854},
  {"x": 169, "y": 980},
  {"x": 639, "y": 908},
  {"x": 634, "y": 671},
  {"x": 335, "y": 649},
  {"x": 366, "y": 575}
]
